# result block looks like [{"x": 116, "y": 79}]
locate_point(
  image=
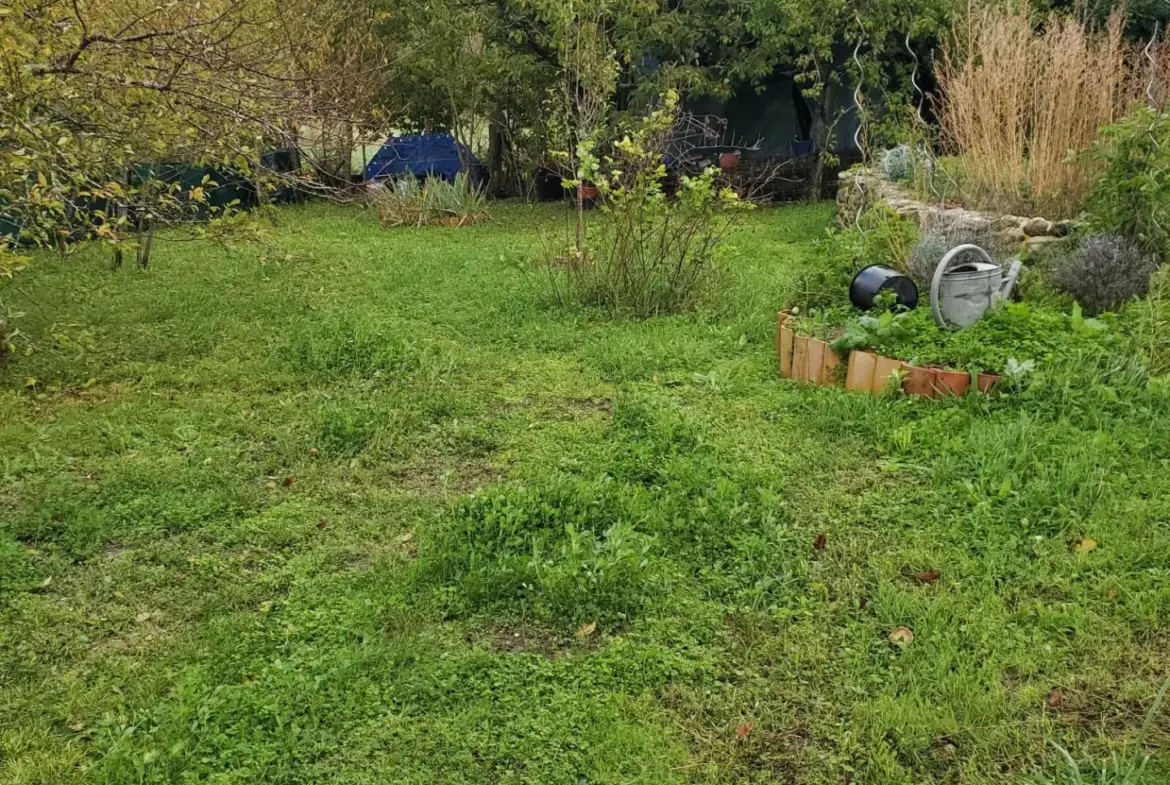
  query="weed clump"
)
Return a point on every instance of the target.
[{"x": 568, "y": 553}]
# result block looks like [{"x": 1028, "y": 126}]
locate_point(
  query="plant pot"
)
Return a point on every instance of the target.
[
  {"x": 859, "y": 377},
  {"x": 987, "y": 382},
  {"x": 952, "y": 383},
  {"x": 882, "y": 371},
  {"x": 816, "y": 360},
  {"x": 800, "y": 358},
  {"x": 919, "y": 381},
  {"x": 831, "y": 370},
  {"x": 785, "y": 339}
]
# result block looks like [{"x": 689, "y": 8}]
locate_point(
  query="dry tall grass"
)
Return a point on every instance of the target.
[{"x": 1017, "y": 100}]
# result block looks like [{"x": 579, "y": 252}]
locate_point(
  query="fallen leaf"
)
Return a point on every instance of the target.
[
  {"x": 288, "y": 482},
  {"x": 743, "y": 729},
  {"x": 1087, "y": 545},
  {"x": 321, "y": 524},
  {"x": 314, "y": 452},
  {"x": 271, "y": 484},
  {"x": 585, "y": 630},
  {"x": 930, "y": 576},
  {"x": 404, "y": 539},
  {"x": 903, "y": 636},
  {"x": 820, "y": 542},
  {"x": 144, "y": 616},
  {"x": 1055, "y": 699},
  {"x": 46, "y": 582},
  {"x": 77, "y": 727}
]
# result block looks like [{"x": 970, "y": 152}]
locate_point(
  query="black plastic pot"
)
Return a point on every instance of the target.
[{"x": 873, "y": 280}]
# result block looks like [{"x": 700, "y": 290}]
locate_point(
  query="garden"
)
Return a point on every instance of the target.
[{"x": 657, "y": 481}]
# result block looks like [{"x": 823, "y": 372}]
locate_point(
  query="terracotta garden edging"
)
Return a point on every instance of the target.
[{"x": 812, "y": 360}]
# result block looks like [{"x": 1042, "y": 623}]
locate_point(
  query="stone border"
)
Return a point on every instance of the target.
[{"x": 862, "y": 188}]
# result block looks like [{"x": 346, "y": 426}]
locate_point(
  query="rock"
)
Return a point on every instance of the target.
[
  {"x": 1042, "y": 246},
  {"x": 1038, "y": 227},
  {"x": 1009, "y": 222},
  {"x": 1012, "y": 236}
]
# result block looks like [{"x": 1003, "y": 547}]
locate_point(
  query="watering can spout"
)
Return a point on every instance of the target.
[{"x": 1013, "y": 276}]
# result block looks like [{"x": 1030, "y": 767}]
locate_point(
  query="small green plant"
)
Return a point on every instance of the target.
[
  {"x": 1131, "y": 197},
  {"x": 1104, "y": 272},
  {"x": 413, "y": 202}
]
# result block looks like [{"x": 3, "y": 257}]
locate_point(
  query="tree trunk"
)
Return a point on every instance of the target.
[
  {"x": 497, "y": 150},
  {"x": 823, "y": 138}
]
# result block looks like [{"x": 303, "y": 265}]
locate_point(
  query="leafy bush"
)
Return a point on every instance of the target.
[
  {"x": 937, "y": 241},
  {"x": 1104, "y": 272},
  {"x": 653, "y": 252},
  {"x": 411, "y": 202},
  {"x": 1131, "y": 197}
]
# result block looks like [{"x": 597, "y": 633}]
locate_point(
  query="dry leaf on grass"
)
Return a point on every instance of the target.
[
  {"x": 743, "y": 729},
  {"x": 1056, "y": 698},
  {"x": 585, "y": 630},
  {"x": 903, "y": 636},
  {"x": 820, "y": 542},
  {"x": 930, "y": 576}
]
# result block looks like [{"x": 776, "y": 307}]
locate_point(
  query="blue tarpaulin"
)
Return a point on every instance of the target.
[{"x": 425, "y": 155}]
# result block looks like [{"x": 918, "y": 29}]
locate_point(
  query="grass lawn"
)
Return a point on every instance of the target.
[{"x": 237, "y": 546}]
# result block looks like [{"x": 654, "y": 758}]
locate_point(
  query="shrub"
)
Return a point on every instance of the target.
[
  {"x": 1131, "y": 197},
  {"x": 652, "y": 253},
  {"x": 936, "y": 242},
  {"x": 1104, "y": 272},
  {"x": 411, "y": 202}
]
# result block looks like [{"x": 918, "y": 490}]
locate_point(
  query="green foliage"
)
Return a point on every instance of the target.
[
  {"x": 884, "y": 237},
  {"x": 409, "y": 202},
  {"x": 1011, "y": 331},
  {"x": 1132, "y": 195}
]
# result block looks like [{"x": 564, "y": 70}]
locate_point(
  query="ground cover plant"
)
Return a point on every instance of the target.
[{"x": 362, "y": 506}]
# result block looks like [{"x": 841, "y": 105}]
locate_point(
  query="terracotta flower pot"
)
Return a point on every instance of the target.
[
  {"x": 800, "y": 358},
  {"x": 816, "y": 360},
  {"x": 919, "y": 381},
  {"x": 883, "y": 370},
  {"x": 954, "y": 383},
  {"x": 987, "y": 382},
  {"x": 785, "y": 340},
  {"x": 860, "y": 375},
  {"x": 831, "y": 370}
]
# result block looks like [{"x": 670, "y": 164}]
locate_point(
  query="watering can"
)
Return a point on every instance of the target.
[{"x": 967, "y": 283}]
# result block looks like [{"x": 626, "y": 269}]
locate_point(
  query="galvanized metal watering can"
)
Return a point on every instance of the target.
[{"x": 967, "y": 283}]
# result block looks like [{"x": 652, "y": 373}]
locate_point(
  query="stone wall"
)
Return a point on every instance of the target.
[{"x": 861, "y": 189}]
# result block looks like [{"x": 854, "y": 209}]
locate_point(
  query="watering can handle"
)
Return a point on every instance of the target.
[{"x": 947, "y": 262}]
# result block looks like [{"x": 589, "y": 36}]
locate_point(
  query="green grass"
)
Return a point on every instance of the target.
[{"x": 236, "y": 545}]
